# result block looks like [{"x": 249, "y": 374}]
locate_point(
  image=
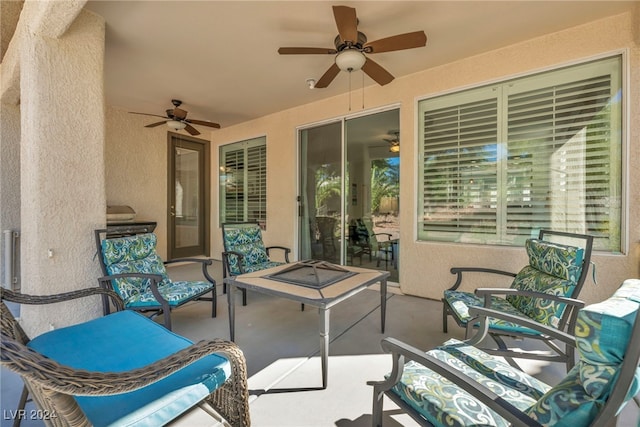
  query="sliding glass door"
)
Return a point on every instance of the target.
[
  {"x": 320, "y": 201},
  {"x": 349, "y": 188}
]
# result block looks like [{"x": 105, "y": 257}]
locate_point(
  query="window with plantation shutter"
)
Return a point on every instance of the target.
[
  {"x": 243, "y": 181},
  {"x": 498, "y": 163}
]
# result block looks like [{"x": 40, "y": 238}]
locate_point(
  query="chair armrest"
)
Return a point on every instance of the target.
[
  {"x": 6, "y": 294},
  {"x": 568, "y": 317},
  {"x": 67, "y": 380},
  {"x": 460, "y": 270},
  {"x": 484, "y": 312},
  {"x": 483, "y": 292},
  {"x": 205, "y": 262},
  {"x": 282, "y": 248},
  {"x": 402, "y": 352},
  {"x": 154, "y": 279},
  {"x": 225, "y": 261}
]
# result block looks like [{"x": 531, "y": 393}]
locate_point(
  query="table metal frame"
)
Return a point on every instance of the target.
[{"x": 324, "y": 299}]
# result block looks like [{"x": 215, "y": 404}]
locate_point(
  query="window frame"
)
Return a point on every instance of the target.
[{"x": 618, "y": 69}]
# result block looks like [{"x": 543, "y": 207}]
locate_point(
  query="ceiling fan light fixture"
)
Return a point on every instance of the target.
[
  {"x": 395, "y": 148},
  {"x": 174, "y": 124},
  {"x": 350, "y": 60}
]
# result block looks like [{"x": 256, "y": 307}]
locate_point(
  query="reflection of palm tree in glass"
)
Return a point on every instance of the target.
[
  {"x": 385, "y": 179},
  {"x": 327, "y": 186}
]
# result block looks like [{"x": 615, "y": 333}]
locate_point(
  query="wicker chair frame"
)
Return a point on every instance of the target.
[{"x": 53, "y": 386}]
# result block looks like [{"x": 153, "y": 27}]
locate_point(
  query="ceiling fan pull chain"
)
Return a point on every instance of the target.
[
  {"x": 349, "y": 90},
  {"x": 362, "y": 90}
]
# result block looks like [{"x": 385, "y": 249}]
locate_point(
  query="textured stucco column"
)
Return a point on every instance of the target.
[
  {"x": 9, "y": 181},
  {"x": 62, "y": 166}
]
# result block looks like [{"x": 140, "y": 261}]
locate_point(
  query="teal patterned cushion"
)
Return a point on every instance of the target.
[
  {"x": 137, "y": 254},
  {"x": 173, "y": 292},
  {"x": 444, "y": 404},
  {"x": 544, "y": 311},
  {"x": 139, "y": 249},
  {"x": 602, "y": 333},
  {"x": 553, "y": 269},
  {"x": 562, "y": 261},
  {"x": 248, "y": 241}
]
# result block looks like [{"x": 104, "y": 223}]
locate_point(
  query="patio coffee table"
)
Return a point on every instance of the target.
[{"x": 315, "y": 283}]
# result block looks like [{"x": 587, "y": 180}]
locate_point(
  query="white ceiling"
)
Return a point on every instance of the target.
[{"x": 220, "y": 57}]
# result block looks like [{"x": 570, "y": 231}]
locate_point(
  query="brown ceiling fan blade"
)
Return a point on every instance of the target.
[
  {"x": 306, "y": 51},
  {"x": 191, "y": 130},
  {"x": 347, "y": 23},
  {"x": 328, "y": 77},
  {"x": 152, "y": 125},
  {"x": 203, "y": 123},
  {"x": 376, "y": 72},
  {"x": 179, "y": 114},
  {"x": 146, "y": 114},
  {"x": 399, "y": 42}
]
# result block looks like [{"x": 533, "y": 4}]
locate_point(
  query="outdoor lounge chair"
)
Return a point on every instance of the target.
[
  {"x": 122, "y": 369},
  {"x": 378, "y": 244},
  {"x": 458, "y": 384},
  {"x": 545, "y": 291},
  {"x": 132, "y": 268},
  {"x": 245, "y": 252}
]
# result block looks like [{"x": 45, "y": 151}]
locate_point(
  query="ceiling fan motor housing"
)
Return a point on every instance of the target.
[{"x": 340, "y": 46}]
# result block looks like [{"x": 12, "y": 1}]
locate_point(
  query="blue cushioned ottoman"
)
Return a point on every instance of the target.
[{"x": 124, "y": 341}]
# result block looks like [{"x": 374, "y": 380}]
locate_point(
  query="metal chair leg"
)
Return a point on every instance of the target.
[{"x": 21, "y": 404}]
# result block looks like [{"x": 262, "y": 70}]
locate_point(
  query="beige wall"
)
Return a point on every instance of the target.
[{"x": 420, "y": 260}]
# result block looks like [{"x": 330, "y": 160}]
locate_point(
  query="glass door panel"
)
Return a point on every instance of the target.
[
  {"x": 348, "y": 203},
  {"x": 188, "y": 174},
  {"x": 373, "y": 172},
  {"x": 320, "y": 208}
]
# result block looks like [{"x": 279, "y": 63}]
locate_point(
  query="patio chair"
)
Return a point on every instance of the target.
[
  {"x": 457, "y": 384},
  {"x": 122, "y": 369},
  {"x": 545, "y": 291},
  {"x": 327, "y": 228},
  {"x": 245, "y": 252},
  {"x": 372, "y": 243},
  {"x": 132, "y": 267}
]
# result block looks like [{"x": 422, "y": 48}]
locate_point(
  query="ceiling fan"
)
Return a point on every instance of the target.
[
  {"x": 351, "y": 46},
  {"x": 394, "y": 141},
  {"x": 176, "y": 118}
]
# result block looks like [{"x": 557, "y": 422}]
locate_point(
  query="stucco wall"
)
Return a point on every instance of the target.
[
  {"x": 9, "y": 180},
  {"x": 136, "y": 168},
  {"x": 62, "y": 167},
  {"x": 422, "y": 260}
]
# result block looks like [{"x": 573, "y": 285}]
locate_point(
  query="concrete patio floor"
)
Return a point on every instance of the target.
[{"x": 281, "y": 345}]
